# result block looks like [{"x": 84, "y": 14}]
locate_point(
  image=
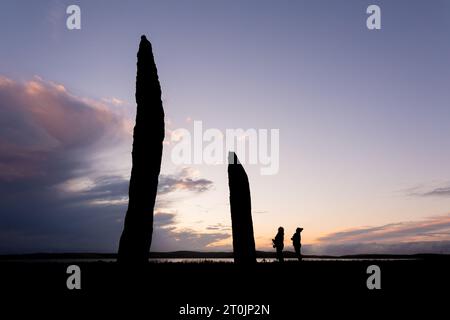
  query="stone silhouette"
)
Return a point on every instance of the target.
[
  {"x": 278, "y": 243},
  {"x": 297, "y": 243},
  {"x": 148, "y": 139},
  {"x": 241, "y": 213}
]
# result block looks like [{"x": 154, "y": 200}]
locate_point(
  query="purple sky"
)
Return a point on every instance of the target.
[{"x": 363, "y": 119}]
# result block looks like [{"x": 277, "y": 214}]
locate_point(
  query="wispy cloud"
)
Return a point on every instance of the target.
[
  {"x": 430, "y": 235},
  {"x": 115, "y": 101},
  {"x": 430, "y": 229},
  {"x": 439, "y": 192},
  {"x": 442, "y": 190},
  {"x": 219, "y": 226},
  {"x": 415, "y": 247},
  {"x": 113, "y": 189},
  {"x": 183, "y": 180}
]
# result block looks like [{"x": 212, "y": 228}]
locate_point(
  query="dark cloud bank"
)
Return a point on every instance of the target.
[{"x": 51, "y": 200}]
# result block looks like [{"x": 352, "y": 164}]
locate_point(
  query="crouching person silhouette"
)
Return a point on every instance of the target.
[
  {"x": 297, "y": 242},
  {"x": 278, "y": 243}
]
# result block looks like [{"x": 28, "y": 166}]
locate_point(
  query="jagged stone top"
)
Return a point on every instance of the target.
[{"x": 232, "y": 158}]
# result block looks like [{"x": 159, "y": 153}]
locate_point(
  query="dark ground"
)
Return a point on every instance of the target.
[{"x": 160, "y": 289}]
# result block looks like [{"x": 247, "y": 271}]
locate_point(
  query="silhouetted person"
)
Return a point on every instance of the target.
[
  {"x": 241, "y": 213},
  {"x": 278, "y": 243},
  {"x": 297, "y": 243},
  {"x": 148, "y": 139}
]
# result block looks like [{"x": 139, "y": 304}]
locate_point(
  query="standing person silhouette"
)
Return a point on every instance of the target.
[
  {"x": 278, "y": 243},
  {"x": 297, "y": 243}
]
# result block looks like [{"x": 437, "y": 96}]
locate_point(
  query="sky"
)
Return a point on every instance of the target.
[{"x": 363, "y": 119}]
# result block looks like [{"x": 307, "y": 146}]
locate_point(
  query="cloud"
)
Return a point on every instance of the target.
[
  {"x": 260, "y": 211},
  {"x": 430, "y": 191},
  {"x": 115, "y": 101},
  {"x": 430, "y": 229},
  {"x": 440, "y": 192},
  {"x": 113, "y": 189},
  {"x": 48, "y": 137},
  {"x": 164, "y": 219},
  {"x": 43, "y": 126},
  {"x": 168, "y": 237},
  {"x": 183, "y": 180},
  {"x": 56, "y": 193},
  {"x": 439, "y": 247},
  {"x": 104, "y": 190},
  {"x": 188, "y": 239},
  {"x": 430, "y": 235},
  {"x": 219, "y": 226}
]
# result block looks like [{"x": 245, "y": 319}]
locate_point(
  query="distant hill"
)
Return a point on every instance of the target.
[{"x": 208, "y": 255}]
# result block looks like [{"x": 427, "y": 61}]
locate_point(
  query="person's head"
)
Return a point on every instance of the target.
[
  {"x": 299, "y": 230},
  {"x": 281, "y": 230}
]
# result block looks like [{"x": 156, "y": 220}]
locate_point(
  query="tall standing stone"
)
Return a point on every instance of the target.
[
  {"x": 148, "y": 139},
  {"x": 241, "y": 213}
]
